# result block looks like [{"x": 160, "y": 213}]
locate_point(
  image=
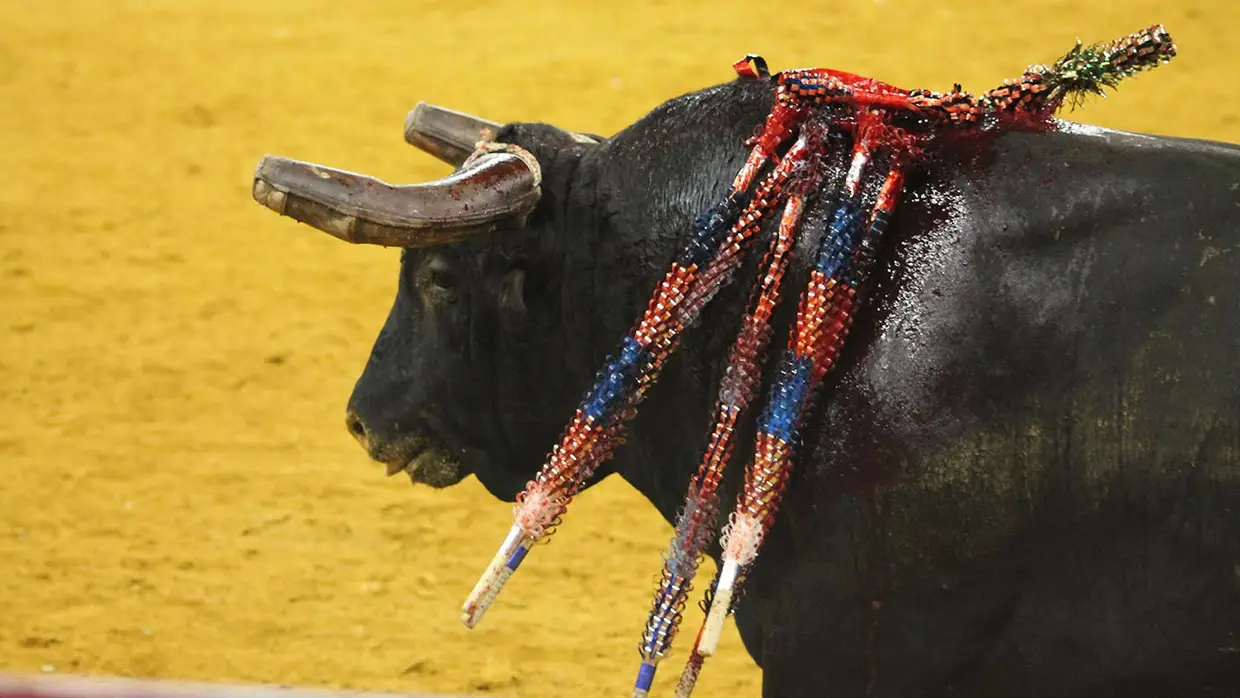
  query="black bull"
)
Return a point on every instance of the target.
[{"x": 1023, "y": 479}]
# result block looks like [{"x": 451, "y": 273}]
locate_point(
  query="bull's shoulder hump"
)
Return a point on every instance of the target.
[
  {"x": 1075, "y": 162},
  {"x": 1131, "y": 140}
]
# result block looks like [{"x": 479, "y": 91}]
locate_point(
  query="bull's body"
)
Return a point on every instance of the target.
[{"x": 1023, "y": 478}]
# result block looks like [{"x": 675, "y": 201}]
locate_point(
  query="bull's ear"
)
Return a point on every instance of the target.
[
  {"x": 589, "y": 138},
  {"x": 512, "y": 291}
]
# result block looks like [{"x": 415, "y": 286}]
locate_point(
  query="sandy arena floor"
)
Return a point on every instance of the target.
[{"x": 179, "y": 496}]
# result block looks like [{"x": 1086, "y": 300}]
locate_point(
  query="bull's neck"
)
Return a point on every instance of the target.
[{"x": 637, "y": 195}]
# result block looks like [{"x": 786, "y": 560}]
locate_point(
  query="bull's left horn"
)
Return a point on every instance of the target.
[{"x": 492, "y": 188}]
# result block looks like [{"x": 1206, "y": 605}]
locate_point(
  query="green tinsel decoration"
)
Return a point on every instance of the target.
[{"x": 1089, "y": 70}]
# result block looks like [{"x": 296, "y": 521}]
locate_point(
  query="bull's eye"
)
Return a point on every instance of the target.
[
  {"x": 443, "y": 280},
  {"x": 439, "y": 280}
]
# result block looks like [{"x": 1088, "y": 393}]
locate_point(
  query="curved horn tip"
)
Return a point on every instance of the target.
[
  {"x": 263, "y": 192},
  {"x": 280, "y": 186}
]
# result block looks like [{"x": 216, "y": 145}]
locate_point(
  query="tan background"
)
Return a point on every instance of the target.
[{"x": 179, "y": 497}]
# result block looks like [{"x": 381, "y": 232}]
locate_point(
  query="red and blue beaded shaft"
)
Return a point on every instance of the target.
[
  {"x": 823, "y": 318},
  {"x": 695, "y": 524},
  {"x": 1032, "y": 97},
  {"x": 863, "y": 260}
]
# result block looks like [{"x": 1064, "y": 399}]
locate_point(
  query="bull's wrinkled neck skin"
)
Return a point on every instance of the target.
[{"x": 648, "y": 182}]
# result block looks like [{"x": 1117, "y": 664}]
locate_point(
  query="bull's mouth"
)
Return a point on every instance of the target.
[
  {"x": 438, "y": 456},
  {"x": 430, "y": 459},
  {"x": 434, "y": 465}
]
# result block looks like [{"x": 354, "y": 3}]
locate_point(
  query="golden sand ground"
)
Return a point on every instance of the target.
[{"x": 179, "y": 497}]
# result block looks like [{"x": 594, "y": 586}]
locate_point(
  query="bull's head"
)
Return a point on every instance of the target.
[{"x": 469, "y": 317}]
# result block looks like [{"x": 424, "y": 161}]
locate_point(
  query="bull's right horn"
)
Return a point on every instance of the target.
[
  {"x": 448, "y": 135},
  {"x": 498, "y": 186}
]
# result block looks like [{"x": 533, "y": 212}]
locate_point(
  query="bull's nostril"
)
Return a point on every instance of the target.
[{"x": 356, "y": 428}]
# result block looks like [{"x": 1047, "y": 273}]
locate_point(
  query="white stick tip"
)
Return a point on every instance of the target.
[
  {"x": 713, "y": 628},
  {"x": 489, "y": 584}
]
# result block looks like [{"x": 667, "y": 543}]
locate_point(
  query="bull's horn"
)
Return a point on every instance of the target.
[
  {"x": 493, "y": 187},
  {"x": 448, "y": 135},
  {"x": 452, "y": 135}
]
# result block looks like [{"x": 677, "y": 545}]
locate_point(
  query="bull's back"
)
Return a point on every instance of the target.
[{"x": 1027, "y": 478}]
